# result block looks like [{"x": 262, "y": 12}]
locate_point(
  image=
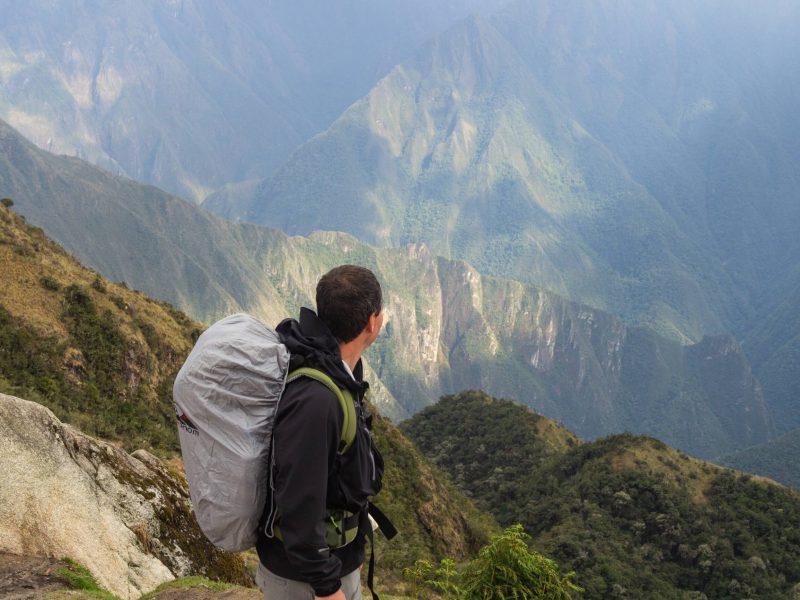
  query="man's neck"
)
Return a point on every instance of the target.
[{"x": 351, "y": 354}]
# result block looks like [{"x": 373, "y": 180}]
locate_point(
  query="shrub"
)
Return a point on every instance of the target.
[
  {"x": 49, "y": 283},
  {"x": 98, "y": 285},
  {"x": 506, "y": 568}
]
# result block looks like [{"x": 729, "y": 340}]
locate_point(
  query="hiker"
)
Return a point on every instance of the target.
[{"x": 319, "y": 490}]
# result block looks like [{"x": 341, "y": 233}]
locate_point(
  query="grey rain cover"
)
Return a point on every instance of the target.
[{"x": 226, "y": 395}]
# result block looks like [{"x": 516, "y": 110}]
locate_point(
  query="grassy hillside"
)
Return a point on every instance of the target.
[
  {"x": 101, "y": 356},
  {"x": 632, "y": 516}
]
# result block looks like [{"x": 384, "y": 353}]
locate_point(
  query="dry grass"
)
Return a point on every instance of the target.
[{"x": 27, "y": 256}]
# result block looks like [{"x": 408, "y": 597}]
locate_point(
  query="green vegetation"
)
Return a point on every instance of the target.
[
  {"x": 505, "y": 568},
  {"x": 631, "y": 516},
  {"x": 514, "y": 170},
  {"x": 450, "y": 328},
  {"x": 78, "y": 577},
  {"x": 188, "y": 583},
  {"x": 105, "y": 367},
  {"x": 435, "y": 519},
  {"x": 83, "y": 378}
]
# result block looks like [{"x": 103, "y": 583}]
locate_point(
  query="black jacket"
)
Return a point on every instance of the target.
[{"x": 310, "y": 476}]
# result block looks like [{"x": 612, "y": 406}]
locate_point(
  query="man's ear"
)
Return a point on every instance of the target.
[{"x": 372, "y": 323}]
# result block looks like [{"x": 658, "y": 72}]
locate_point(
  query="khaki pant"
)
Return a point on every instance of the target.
[{"x": 279, "y": 588}]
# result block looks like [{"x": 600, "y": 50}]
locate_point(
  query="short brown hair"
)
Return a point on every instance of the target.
[{"x": 347, "y": 296}]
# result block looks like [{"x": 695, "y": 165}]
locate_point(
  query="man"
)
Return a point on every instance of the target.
[{"x": 311, "y": 476}]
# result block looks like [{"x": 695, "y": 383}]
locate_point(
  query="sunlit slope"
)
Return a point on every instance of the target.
[
  {"x": 101, "y": 356},
  {"x": 619, "y": 154}
]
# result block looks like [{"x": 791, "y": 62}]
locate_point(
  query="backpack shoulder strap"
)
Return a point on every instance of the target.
[{"x": 345, "y": 401}]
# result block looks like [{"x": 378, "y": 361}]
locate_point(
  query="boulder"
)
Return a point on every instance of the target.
[{"x": 125, "y": 517}]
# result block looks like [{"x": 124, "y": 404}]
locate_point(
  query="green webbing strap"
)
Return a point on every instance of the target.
[{"x": 345, "y": 401}]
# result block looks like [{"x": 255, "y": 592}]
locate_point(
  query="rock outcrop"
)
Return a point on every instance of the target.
[{"x": 126, "y": 517}]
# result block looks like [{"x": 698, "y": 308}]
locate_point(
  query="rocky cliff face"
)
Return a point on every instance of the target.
[
  {"x": 458, "y": 330},
  {"x": 125, "y": 516}
]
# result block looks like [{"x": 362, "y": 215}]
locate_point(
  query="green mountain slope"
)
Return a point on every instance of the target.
[
  {"x": 625, "y": 155},
  {"x": 632, "y": 516},
  {"x": 104, "y": 359},
  {"x": 99, "y": 355},
  {"x": 193, "y": 95},
  {"x": 448, "y": 328},
  {"x": 772, "y": 343},
  {"x": 776, "y": 459}
]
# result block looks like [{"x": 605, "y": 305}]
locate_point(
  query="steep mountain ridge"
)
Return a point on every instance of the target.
[
  {"x": 448, "y": 328},
  {"x": 627, "y": 155},
  {"x": 633, "y": 517},
  {"x": 114, "y": 84}
]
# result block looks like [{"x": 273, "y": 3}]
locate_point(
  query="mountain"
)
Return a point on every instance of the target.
[
  {"x": 192, "y": 95},
  {"x": 633, "y": 517},
  {"x": 448, "y": 328},
  {"x": 630, "y": 155},
  {"x": 772, "y": 343},
  {"x": 776, "y": 459},
  {"x": 103, "y": 358}
]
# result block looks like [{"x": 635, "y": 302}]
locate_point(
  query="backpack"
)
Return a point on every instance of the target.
[{"x": 226, "y": 397}]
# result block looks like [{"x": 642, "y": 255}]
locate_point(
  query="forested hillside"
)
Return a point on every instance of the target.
[
  {"x": 634, "y": 517},
  {"x": 776, "y": 459}
]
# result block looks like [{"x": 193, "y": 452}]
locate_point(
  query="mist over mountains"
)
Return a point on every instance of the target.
[
  {"x": 192, "y": 95},
  {"x": 640, "y": 157},
  {"x": 628, "y": 159},
  {"x": 448, "y": 327},
  {"x": 587, "y": 207}
]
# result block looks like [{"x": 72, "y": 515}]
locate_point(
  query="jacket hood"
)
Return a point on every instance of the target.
[{"x": 312, "y": 344}]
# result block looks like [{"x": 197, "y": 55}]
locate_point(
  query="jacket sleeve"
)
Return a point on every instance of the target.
[{"x": 307, "y": 434}]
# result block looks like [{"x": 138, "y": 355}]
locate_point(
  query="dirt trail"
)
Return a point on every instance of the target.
[
  {"x": 201, "y": 594},
  {"x": 29, "y": 577}
]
